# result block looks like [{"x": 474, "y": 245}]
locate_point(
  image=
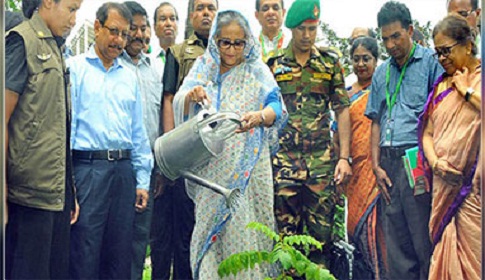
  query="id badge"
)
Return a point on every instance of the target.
[{"x": 388, "y": 135}]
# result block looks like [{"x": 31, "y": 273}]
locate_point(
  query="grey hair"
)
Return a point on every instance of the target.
[{"x": 225, "y": 18}]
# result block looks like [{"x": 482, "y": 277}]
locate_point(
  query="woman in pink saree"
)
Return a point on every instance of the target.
[{"x": 451, "y": 144}]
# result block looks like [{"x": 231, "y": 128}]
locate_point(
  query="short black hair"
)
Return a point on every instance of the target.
[
  {"x": 368, "y": 43},
  {"x": 102, "y": 13},
  {"x": 456, "y": 27},
  {"x": 217, "y": 5},
  {"x": 393, "y": 11},
  {"x": 258, "y": 3},
  {"x": 163, "y": 4},
  {"x": 29, "y": 7},
  {"x": 135, "y": 8}
]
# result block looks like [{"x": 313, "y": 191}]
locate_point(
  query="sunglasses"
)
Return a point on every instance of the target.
[
  {"x": 226, "y": 44},
  {"x": 444, "y": 51},
  {"x": 116, "y": 32}
]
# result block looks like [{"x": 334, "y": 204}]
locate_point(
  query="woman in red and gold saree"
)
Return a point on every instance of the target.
[
  {"x": 362, "y": 195},
  {"x": 451, "y": 143}
]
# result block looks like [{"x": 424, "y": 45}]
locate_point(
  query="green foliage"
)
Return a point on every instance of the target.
[
  {"x": 13, "y": 5},
  {"x": 284, "y": 252}
]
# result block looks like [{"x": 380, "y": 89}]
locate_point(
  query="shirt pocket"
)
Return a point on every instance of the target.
[{"x": 414, "y": 94}]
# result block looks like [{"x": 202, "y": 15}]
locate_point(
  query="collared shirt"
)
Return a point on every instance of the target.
[
  {"x": 151, "y": 93},
  {"x": 158, "y": 57},
  {"x": 422, "y": 70},
  {"x": 270, "y": 47},
  {"x": 107, "y": 112}
]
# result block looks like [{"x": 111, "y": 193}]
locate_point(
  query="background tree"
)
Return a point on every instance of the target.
[{"x": 13, "y": 5}]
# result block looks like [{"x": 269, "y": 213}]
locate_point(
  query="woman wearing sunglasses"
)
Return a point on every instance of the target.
[
  {"x": 231, "y": 76},
  {"x": 451, "y": 143}
]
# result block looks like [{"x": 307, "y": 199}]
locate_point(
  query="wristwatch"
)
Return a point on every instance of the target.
[
  {"x": 468, "y": 93},
  {"x": 348, "y": 159}
]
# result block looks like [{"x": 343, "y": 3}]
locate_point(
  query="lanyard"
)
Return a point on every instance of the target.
[
  {"x": 162, "y": 56},
  {"x": 280, "y": 38},
  {"x": 392, "y": 100}
]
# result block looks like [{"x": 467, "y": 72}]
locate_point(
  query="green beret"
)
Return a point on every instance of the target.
[{"x": 302, "y": 10}]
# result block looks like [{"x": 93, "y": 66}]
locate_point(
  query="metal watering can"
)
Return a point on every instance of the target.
[{"x": 192, "y": 144}]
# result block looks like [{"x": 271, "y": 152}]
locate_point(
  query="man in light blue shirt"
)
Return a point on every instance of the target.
[
  {"x": 111, "y": 152},
  {"x": 399, "y": 90},
  {"x": 151, "y": 92}
]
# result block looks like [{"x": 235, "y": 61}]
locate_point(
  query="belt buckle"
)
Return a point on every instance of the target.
[{"x": 111, "y": 158}]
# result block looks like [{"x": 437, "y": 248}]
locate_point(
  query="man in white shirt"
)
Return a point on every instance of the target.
[{"x": 270, "y": 14}]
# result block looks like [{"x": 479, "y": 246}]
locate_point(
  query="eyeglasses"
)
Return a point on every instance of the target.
[
  {"x": 444, "y": 51},
  {"x": 226, "y": 44},
  {"x": 116, "y": 32},
  {"x": 365, "y": 59},
  {"x": 464, "y": 14}
]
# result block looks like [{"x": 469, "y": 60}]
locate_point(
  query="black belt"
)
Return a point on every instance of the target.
[
  {"x": 395, "y": 152},
  {"x": 110, "y": 155}
]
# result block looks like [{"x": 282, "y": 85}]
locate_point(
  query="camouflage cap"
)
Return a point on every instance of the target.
[{"x": 301, "y": 11}]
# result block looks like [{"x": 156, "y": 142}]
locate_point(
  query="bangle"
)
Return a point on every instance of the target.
[{"x": 263, "y": 118}]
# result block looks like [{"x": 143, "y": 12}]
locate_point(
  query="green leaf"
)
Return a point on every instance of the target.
[
  {"x": 312, "y": 272},
  {"x": 285, "y": 259},
  {"x": 264, "y": 229},
  {"x": 300, "y": 267}
]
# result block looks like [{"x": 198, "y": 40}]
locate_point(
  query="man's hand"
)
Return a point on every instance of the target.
[
  {"x": 159, "y": 185},
  {"x": 141, "y": 200},
  {"x": 75, "y": 212},
  {"x": 343, "y": 172},
  {"x": 383, "y": 181}
]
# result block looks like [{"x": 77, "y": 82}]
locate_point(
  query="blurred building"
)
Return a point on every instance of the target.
[{"x": 82, "y": 39}]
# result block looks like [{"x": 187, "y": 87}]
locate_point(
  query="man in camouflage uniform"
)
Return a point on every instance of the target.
[{"x": 306, "y": 172}]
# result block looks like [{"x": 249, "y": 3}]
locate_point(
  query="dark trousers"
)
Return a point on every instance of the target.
[
  {"x": 405, "y": 223},
  {"x": 141, "y": 235},
  {"x": 101, "y": 239},
  {"x": 172, "y": 225},
  {"x": 37, "y": 242}
]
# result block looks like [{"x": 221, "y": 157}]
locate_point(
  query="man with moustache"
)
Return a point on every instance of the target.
[
  {"x": 471, "y": 12},
  {"x": 111, "y": 152},
  {"x": 306, "y": 171},
  {"x": 178, "y": 229},
  {"x": 400, "y": 87},
  {"x": 39, "y": 187},
  {"x": 270, "y": 14},
  {"x": 150, "y": 87}
]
